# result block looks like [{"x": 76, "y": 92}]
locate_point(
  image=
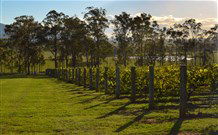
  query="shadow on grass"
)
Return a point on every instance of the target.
[
  {"x": 90, "y": 99},
  {"x": 106, "y": 102},
  {"x": 175, "y": 129},
  {"x": 177, "y": 125},
  {"x": 136, "y": 119},
  {"x": 16, "y": 76},
  {"x": 70, "y": 89},
  {"x": 115, "y": 111}
]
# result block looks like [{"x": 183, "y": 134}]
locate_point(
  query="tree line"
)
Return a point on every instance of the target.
[{"x": 72, "y": 40}]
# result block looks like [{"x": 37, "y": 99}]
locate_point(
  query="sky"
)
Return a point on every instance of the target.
[{"x": 166, "y": 12}]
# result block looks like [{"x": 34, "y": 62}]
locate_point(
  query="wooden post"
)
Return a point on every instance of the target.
[
  {"x": 69, "y": 75},
  {"x": 65, "y": 74},
  {"x": 90, "y": 78},
  {"x": 97, "y": 79},
  {"x": 76, "y": 76},
  {"x": 151, "y": 87},
  {"x": 59, "y": 74},
  {"x": 55, "y": 72},
  {"x": 62, "y": 74},
  {"x": 84, "y": 77},
  {"x": 133, "y": 78},
  {"x": 106, "y": 80},
  {"x": 183, "y": 92},
  {"x": 79, "y": 76},
  {"x": 73, "y": 75},
  {"x": 117, "y": 91}
]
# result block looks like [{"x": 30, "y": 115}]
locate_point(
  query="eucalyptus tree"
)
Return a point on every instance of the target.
[
  {"x": 122, "y": 31},
  {"x": 194, "y": 31},
  {"x": 161, "y": 45},
  {"x": 141, "y": 31},
  {"x": 53, "y": 24},
  {"x": 23, "y": 39},
  {"x": 73, "y": 38},
  {"x": 209, "y": 45},
  {"x": 97, "y": 23},
  {"x": 179, "y": 39},
  {"x": 145, "y": 36},
  {"x": 151, "y": 51},
  {"x": 3, "y": 54}
]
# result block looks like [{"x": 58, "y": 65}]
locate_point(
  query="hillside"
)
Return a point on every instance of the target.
[{"x": 2, "y": 32}]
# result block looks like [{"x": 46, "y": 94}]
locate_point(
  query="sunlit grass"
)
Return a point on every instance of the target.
[{"x": 40, "y": 105}]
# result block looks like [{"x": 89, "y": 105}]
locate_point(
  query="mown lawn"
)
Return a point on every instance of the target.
[{"x": 40, "y": 105}]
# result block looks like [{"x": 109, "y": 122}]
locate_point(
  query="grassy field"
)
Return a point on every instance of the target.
[{"x": 41, "y": 105}]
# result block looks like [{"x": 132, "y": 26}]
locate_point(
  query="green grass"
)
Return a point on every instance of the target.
[{"x": 40, "y": 105}]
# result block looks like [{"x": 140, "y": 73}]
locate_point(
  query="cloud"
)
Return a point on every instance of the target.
[
  {"x": 170, "y": 20},
  {"x": 167, "y": 21}
]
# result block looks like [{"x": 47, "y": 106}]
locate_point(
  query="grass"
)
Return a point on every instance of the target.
[{"x": 41, "y": 105}]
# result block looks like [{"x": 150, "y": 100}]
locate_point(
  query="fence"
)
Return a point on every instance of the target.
[{"x": 79, "y": 77}]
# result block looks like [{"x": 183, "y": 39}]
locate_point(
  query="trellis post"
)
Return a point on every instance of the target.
[
  {"x": 90, "y": 78},
  {"x": 73, "y": 75},
  {"x": 151, "y": 87},
  {"x": 84, "y": 77},
  {"x": 183, "y": 92},
  {"x": 97, "y": 79},
  {"x": 117, "y": 91},
  {"x": 79, "y": 76},
  {"x": 133, "y": 78},
  {"x": 106, "y": 80}
]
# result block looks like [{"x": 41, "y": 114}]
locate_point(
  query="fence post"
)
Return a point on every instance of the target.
[
  {"x": 84, "y": 77},
  {"x": 62, "y": 74},
  {"x": 117, "y": 91},
  {"x": 76, "y": 77},
  {"x": 73, "y": 75},
  {"x": 59, "y": 74},
  {"x": 97, "y": 79},
  {"x": 133, "y": 78},
  {"x": 69, "y": 75},
  {"x": 79, "y": 76},
  {"x": 151, "y": 87},
  {"x": 90, "y": 78},
  {"x": 183, "y": 92},
  {"x": 106, "y": 80}
]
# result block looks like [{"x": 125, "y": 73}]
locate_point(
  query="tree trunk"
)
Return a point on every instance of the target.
[
  {"x": 204, "y": 56},
  {"x": 55, "y": 52},
  {"x": 87, "y": 59},
  {"x": 66, "y": 60},
  {"x": 28, "y": 68},
  {"x": 124, "y": 62}
]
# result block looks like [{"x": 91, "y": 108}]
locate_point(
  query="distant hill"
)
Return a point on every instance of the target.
[{"x": 2, "y": 30}]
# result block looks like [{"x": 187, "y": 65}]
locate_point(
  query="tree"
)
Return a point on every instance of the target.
[
  {"x": 161, "y": 48},
  {"x": 193, "y": 31},
  {"x": 24, "y": 41},
  {"x": 208, "y": 45},
  {"x": 73, "y": 36},
  {"x": 97, "y": 23},
  {"x": 53, "y": 24},
  {"x": 122, "y": 24},
  {"x": 179, "y": 38}
]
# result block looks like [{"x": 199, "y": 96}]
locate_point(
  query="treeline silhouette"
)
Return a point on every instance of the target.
[{"x": 72, "y": 40}]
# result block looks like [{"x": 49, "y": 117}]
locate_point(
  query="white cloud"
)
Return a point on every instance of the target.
[{"x": 167, "y": 21}]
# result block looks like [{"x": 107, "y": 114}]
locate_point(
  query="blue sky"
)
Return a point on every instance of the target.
[
  {"x": 166, "y": 12},
  {"x": 193, "y": 9}
]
